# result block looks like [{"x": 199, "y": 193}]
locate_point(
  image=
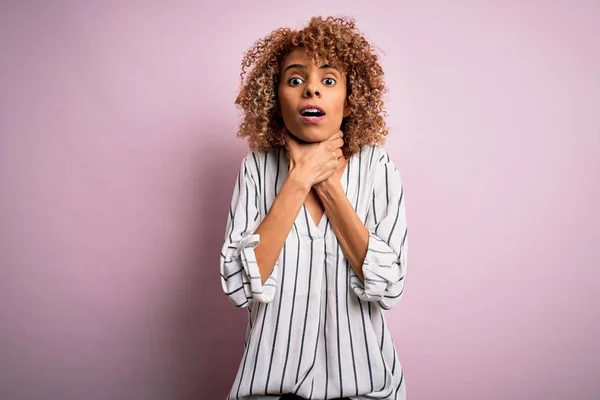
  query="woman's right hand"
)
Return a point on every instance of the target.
[{"x": 314, "y": 162}]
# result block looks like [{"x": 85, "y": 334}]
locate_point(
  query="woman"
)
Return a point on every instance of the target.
[{"x": 315, "y": 244}]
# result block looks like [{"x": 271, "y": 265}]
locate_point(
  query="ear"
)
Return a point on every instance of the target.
[{"x": 347, "y": 108}]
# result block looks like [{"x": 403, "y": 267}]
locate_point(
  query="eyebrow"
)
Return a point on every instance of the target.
[{"x": 302, "y": 66}]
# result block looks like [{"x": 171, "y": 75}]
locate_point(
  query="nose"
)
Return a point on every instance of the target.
[{"x": 310, "y": 92}]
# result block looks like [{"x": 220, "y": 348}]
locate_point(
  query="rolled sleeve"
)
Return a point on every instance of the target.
[
  {"x": 384, "y": 266},
  {"x": 240, "y": 276}
]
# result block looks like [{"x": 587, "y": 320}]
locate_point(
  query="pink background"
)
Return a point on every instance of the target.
[{"x": 118, "y": 157}]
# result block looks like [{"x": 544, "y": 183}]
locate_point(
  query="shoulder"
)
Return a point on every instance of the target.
[
  {"x": 256, "y": 162},
  {"x": 374, "y": 158},
  {"x": 378, "y": 166}
]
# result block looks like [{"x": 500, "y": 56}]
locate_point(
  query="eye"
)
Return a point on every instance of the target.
[
  {"x": 329, "y": 81},
  {"x": 295, "y": 81}
]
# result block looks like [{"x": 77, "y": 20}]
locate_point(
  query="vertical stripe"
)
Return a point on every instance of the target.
[
  {"x": 232, "y": 217},
  {"x": 374, "y": 209},
  {"x": 399, "y": 384},
  {"x": 337, "y": 316},
  {"x": 257, "y": 169},
  {"x": 396, "y": 219},
  {"x": 310, "y": 264},
  {"x": 277, "y": 174},
  {"x": 256, "y": 198},
  {"x": 349, "y": 325},
  {"x": 366, "y": 343},
  {"x": 358, "y": 186},
  {"x": 387, "y": 195},
  {"x": 381, "y": 352},
  {"x": 387, "y": 191},
  {"x": 348, "y": 175},
  {"x": 246, "y": 351},
  {"x": 325, "y": 319},
  {"x": 278, "y": 315},
  {"x": 313, "y": 363},
  {"x": 257, "y": 350},
  {"x": 247, "y": 205},
  {"x": 290, "y": 330},
  {"x": 382, "y": 332},
  {"x": 241, "y": 175},
  {"x": 265, "y": 182}
]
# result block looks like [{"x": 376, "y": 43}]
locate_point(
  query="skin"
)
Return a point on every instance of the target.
[
  {"x": 316, "y": 163},
  {"x": 303, "y": 83}
]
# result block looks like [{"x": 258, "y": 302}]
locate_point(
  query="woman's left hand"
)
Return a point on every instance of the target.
[
  {"x": 296, "y": 149},
  {"x": 336, "y": 176}
]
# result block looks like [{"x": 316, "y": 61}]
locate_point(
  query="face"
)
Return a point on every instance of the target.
[{"x": 312, "y": 98}]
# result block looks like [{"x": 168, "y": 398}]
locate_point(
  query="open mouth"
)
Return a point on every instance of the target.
[{"x": 312, "y": 113}]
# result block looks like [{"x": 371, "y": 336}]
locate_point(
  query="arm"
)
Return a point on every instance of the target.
[
  {"x": 249, "y": 254},
  {"x": 251, "y": 249},
  {"x": 375, "y": 250},
  {"x": 308, "y": 164},
  {"x": 352, "y": 234},
  {"x": 276, "y": 226}
]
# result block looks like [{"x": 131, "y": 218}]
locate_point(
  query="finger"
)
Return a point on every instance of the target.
[
  {"x": 336, "y": 144},
  {"x": 336, "y": 154}
]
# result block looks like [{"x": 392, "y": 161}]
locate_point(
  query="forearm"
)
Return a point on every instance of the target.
[
  {"x": 278, "y": 222},
  {"x": 351, "y": 233}
]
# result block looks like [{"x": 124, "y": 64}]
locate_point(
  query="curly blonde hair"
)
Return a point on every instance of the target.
[{"x": 336, "y": 40}]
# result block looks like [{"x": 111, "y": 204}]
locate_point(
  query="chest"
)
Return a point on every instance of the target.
[{"x": 314, "y": 206}]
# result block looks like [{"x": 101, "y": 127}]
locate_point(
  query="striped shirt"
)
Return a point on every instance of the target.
[{"x": 314, "y": 329}]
